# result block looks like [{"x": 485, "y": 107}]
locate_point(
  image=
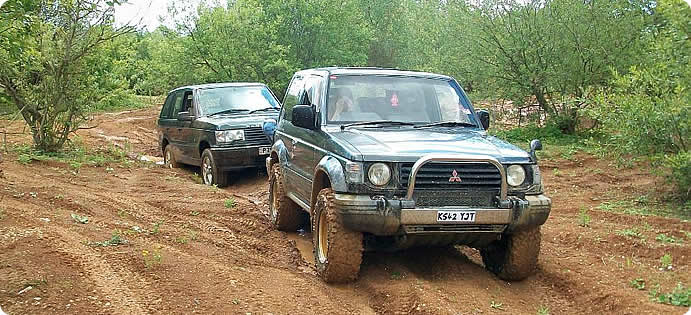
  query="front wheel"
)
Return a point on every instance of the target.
[
  {"x": 211, "y": 175},
  {"x": 514, "y": 257},
  {"x": 337, "y": 250}
]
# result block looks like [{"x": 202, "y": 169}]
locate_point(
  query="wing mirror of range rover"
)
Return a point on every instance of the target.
[
  {"x": 484, "y": 118},
  {"x": 535, "y": 145}
]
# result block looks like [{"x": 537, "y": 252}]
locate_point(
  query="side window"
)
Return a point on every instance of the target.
[
  {"x": 165, "y": 111},
  {"x": 292, "y": 95},
  {"x": 177, "y": 103},
  {"x": 315, "y": 90},
  {"x": 187, "y": 102}
]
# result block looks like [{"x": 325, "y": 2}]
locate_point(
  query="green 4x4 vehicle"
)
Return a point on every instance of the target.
[
  {"x": 386, "y": 160},
  {"x": 219, "y": 127}
]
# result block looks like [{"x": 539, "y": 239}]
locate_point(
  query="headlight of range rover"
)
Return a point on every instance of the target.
[
  {"x": 515, "y": 175},
  {"x": 226, "y": 136},
  {"x": 379, "y": 174}
]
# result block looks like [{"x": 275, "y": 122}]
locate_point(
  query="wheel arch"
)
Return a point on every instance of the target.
[{"x": 328, "y": 174}]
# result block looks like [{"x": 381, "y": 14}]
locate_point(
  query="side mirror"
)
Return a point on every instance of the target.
[
  {"x": 484, "y": 118},
  {"x": 535, "y": 145},
  {"x": 185, "y": 116},
  {"x": 303, "y": 116}
]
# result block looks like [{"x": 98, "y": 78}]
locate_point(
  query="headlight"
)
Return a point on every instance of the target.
[
  {"x": 515, "y": 175},
  {"x": 379, "y": 174},
  {"x": 230, "y": 135}
]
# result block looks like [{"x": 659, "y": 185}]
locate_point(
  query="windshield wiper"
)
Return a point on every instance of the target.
[
  {"x": 263, "y": 109},
  {"x": 227, "y": 111},
  {"x": 447, "y": 124},
  {"x": 377, "y": 122}
]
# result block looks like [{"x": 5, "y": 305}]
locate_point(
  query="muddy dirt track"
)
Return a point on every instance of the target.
[{"x": 184, "y": 251}]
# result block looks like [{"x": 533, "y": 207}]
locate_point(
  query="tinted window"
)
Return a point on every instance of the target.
[
  {"x": 177, "y": 103},
  {"x": 235, "y": 98},
  {"x": 292, "y": 94},
  {"x": 167, "y": 106}
]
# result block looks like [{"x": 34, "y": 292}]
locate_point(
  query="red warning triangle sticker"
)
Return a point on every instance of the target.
[{"x": 394, "y": 100}]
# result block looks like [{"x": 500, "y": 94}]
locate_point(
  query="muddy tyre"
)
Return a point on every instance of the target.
[
  {"x": 284, "y": 213},
  {"x": 514, "y": 257},
  {"x": 337, "y": 250},
  {"x": 169, "y": 158},
  {"x": 211, "y": 175}
]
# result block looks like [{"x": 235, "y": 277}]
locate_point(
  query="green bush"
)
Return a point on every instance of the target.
[{"x": 679, "y": 166}]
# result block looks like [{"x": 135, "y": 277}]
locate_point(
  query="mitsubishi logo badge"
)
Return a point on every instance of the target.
[{"x": 454, "y": 177}]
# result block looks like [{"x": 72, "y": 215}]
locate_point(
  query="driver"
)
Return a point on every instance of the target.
[{"x": 343, "y": 104}]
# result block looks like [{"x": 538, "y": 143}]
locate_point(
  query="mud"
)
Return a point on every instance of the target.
[{"x": 182, "y": 250}]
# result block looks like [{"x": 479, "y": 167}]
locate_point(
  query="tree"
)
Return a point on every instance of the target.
[
  {"x": 52, "y": 71},
  {"x": 556, "y": 50}
]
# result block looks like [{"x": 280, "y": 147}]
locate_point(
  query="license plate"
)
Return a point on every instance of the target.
[
  {"x": 264, "y": 150},
  {"x": 455, "y": 216}
]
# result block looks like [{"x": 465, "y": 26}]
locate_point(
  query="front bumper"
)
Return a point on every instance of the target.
[
  {"x": 380, "y": 216},
  {"x": 228, "y": 159}
]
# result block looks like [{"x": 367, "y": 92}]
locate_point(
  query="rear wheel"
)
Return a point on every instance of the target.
[
  {"x": 285, "y": 213},
  {"x": 337, "y": 250},
  {"x": 514, "y": 257},
  {"x": 169, "y": 159},
  {"x": 211, "y": 175}
]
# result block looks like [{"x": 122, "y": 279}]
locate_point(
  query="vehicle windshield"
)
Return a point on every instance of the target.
[
  {"x": 235, "y": 99},
  {"x": 363, "y": 98}
]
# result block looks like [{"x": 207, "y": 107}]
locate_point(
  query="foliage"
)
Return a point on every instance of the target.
[
  {"x": 549, "y": 51},
  {"x": 56, "y": 66},
  {"x": 115, "y": 240},
  {"x": 646, "y": 110},
  {"x": 229, "y": 203},
  {"x": 680, "y": 296}
]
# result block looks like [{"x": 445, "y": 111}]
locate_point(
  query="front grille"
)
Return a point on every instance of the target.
[
  {"x": 438, "y": 176},
  {"x": 457, "y": 228},
  {"x": 479, "y": 184},
  {"x": 255, "y": 136}
]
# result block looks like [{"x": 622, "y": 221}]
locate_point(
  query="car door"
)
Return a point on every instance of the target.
[
  {"x": 189, "y": 136},
  {"x": 296, "y": 180},
  {"x": 171, "y": 125}
]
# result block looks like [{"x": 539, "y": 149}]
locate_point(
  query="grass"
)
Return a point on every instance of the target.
[
  {"x": 680, "y": 296},
  {"x": 2, "y": 213},
  {"x": 643, "y": 207},
  {"x": 632, "y": 232},
  {"x": 229, "y": 203},
  {"x": 194, "y": 213},
  {"x": 496, "y": 305},
  {"x": 76, "y": 155},
  {"x": 157, "y": 228},
  {"x": 584, "y": 218},
  {"x": 543, "y": 310},
  {"x": 666, "y": 261},
  {"x": 152, "y": 257},
  {"x": 115, "y": 240},
  {"x": 637, "y": 283},
  {"x": 667, "y": 239}
]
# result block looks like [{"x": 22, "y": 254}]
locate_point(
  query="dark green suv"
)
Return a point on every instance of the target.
[
  {"x": 218, "y": 127},
  {"x": 385, "y": 159}
]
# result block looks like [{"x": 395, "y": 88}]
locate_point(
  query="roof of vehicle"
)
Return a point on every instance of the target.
[
  {"x": 218, "y": 85},
  {"x": 376, "y": 71}
]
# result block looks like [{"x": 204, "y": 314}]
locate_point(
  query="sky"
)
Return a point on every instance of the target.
[
  {"x": 148, "y": 11},
  {"x": 145, "y": 13}
]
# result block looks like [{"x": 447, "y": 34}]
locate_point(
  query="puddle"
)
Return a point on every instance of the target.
[{"x": 303, "y": 242}]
